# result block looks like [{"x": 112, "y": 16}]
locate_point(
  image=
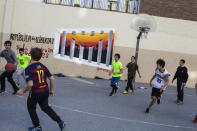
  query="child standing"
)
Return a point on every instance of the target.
[
  {"x": 36, "y": 76},
  {"x": 116, "y": 72},
  {"x": 23, "y": 61},
  {"x": 182, "y": 76},
  {"x": 132, "y": 68}
]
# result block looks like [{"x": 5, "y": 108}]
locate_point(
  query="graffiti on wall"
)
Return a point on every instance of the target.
[
  {"x": 45, "y": 51},
  {"x": 29, "y": 38},
  {"x": 92, "y": 47},
  {"x": 101, "y": 69}
]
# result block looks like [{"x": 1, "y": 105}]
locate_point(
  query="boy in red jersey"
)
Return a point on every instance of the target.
[
  {"x": 195, "y": 119},
  {"x": 36, "y": 76}
]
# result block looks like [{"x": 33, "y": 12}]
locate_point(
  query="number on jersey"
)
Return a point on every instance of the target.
[{"x": 41, "y": 76}]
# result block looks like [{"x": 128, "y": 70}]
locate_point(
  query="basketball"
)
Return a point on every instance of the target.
[{"x": 9, "y": 67}]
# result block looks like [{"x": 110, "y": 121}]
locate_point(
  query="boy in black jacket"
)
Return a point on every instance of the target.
[{"x": 182, "y": 76}]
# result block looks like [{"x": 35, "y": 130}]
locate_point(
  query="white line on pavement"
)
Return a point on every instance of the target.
[
  {"x": 83, "y": 81},
  {"x": 112, "y": 117},
  {"x": 121, "y": 119}
]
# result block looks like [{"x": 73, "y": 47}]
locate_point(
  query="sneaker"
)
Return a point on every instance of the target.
[
  {"x": 131, "y": 91},
  {"x": 62, "y": 125},
  {"x": 1, "y": 91},
  {"x": 14, "y": 93},
  {"x": 147, "y": 110},
  {"x": 110, "y": 94},
  {"x": 176, "y": 101},
  {"x": 195, "y": 120},
  {"x": 158, "y": 101},
  {"x": 125, "y": 92},
  {"x": 179, "y": 103},
  {"x": 39, "y": 128}
]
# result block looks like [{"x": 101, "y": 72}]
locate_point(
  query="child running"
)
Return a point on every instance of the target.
[
  {"x": 132, "y": 68},
  {"x": 116, "y": 72},
  {"x": 36, "y": 76},
  {"x": 161, "y": 80},
  {"x": 23, "y": 61}
]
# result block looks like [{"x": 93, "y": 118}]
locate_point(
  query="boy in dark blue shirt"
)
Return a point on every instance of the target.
[{"x": 36, "y": 76}]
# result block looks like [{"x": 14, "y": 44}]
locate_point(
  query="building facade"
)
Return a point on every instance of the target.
[{"x": 173, "y": 40}]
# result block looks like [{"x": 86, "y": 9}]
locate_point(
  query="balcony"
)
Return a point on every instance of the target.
[{"x": 127, "y": 6}]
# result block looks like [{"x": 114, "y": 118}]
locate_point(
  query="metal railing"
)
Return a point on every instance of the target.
[{"x": 128, "y": 6}]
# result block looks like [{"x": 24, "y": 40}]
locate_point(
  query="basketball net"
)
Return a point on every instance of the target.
[{"x": 144, "y": 31}]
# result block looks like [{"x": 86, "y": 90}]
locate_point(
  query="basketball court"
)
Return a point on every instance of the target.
[{"x": 84, "y": 104}]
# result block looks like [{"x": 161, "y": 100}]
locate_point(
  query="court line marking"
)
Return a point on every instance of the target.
[
  {"x": 112, "y": 117},
  {"x": 83, "y": 81},
  {"x": 121, "y": 119}
]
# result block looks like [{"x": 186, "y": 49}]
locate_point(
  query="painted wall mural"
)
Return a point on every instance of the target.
[{"x": 92, "y": 47}]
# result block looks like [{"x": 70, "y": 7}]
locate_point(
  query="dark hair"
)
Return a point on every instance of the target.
[
  {"x": 161, "y": 62},
  {"x": 182, "y": 60},
  {"x": 133, "y": 57},
  {"x": 8, "y": 42},
  {"x": 21, "y": 49},
  {"x": 118, "y": 55},
  {"x": 36, "y": 53}
]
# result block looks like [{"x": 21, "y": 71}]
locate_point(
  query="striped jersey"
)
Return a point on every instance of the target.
[{"x": 38, "y": 73}]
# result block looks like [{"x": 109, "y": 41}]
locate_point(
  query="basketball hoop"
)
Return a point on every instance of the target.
[
  {"x": 144, "y": 31},
  {"x": 143, "y": 23}
]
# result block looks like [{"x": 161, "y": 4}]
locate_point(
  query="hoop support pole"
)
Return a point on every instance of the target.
[{"x": 136, "y": 53}]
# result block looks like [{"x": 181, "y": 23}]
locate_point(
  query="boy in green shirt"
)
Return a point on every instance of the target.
[
  {"x": 116, "y": 72},
  {"x": 23, "y": 62}
]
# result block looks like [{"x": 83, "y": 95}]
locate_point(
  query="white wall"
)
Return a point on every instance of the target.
[
  {"x": 6, "y": 12},
  {"x": 172, "y": 35},
  {"x": 34, "y": 1},
  {"x": 2, "y": 7},
  {"x": 173, "y": 40}
]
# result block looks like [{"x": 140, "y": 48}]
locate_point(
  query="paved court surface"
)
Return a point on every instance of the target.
[{"x": 85, "y": 106}]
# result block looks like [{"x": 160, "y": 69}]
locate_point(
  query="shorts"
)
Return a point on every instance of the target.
[
  {"x": 21, "y": 71},
  {"x": 114, "y": 80},
  {"x": 156, "y": 92}
]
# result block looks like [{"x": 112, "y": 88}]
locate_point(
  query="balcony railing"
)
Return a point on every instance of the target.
[{"x": 128, "y": 6}]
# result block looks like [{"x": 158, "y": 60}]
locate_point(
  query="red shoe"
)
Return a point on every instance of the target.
[{"x": 195, "y": 120}]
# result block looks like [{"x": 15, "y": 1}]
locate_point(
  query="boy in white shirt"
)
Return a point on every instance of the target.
[{"x": 161, "y": 80}]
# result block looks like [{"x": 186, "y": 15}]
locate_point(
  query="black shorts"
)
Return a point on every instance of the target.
[{"x": 156, "y": 92}]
